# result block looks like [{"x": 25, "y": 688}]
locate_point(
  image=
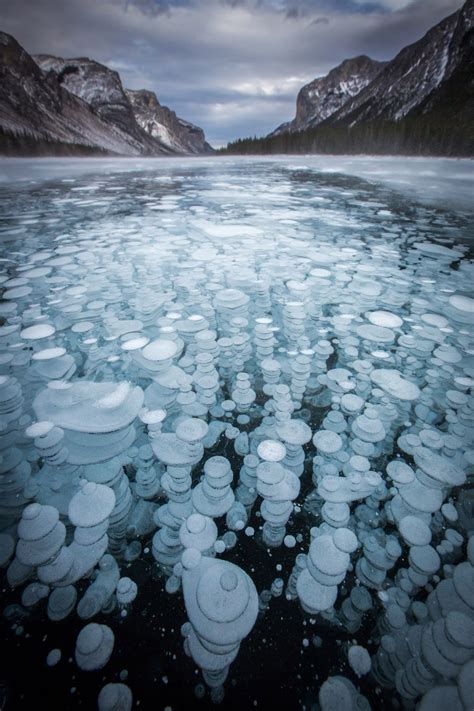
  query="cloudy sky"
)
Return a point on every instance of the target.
[{"x": 233, "y": 67}]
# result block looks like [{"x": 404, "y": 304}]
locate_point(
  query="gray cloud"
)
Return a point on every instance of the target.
[
  {"x": 233, "y": 67},
  {"x": 152, "y": 8}
]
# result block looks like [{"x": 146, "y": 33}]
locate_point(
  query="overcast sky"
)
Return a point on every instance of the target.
[{"x": 233, "y": 67}]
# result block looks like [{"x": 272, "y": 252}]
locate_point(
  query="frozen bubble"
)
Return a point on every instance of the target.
[
  {"x": 35, "y": 333},
  {"x": 92, "y": 505},
  {"x": 449, "y": 512},
  {"x": 126, "y": 591},
  {"x": 61, "y": 602},
  {"x": 190, "y": 558},
  {"x": 334, "y": 694},
  {"x": 133, "y": 344},
  {"x": 462, "y": 303},
  {"x": 438, "y": 468},
  {"x": 424, "y": 559},
  {"x": 421, "y": 498},
  {"x": 400, "y": 472},
  {"x": 7, "y": 548},
  {"x": 160, "y": 350},
  {"x": 377, "y": 334},
  {"x": 53, "y": 658},
  {"x": 392, "y": 382},
  {"x": 415, "y": 531},
  {"x": 385, "y": 318},
  {"x": 294, "y": 432},
  {"x": 327, "y": 442},
  {"x": 345, "y": 540},
  {"x": 271, "y": 450},
  {"x": 359, "y": 659},
  {"x": 48, "y": 354},
  {"x": 115, "y": 697},
  {"x": 94, "y": 646}
]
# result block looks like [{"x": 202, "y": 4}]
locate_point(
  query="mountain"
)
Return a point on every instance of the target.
[
  {"x": 416, "y": 74},
  {"x": 50, "y": 105},
  {"x": 36, "y": 110},
  {"x": 419, "y": 103},
  {"x": 101, "y": 88},
  {"x": 161, "y": 123},
  {"x": 322, "y": 97}
]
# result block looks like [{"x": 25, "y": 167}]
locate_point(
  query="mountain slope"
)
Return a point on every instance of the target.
[
  {"x": 36, "y": 105},
  {"x": 322, "y": 97},
  {"x": 414, "y": 74},
  {"x": 162, "y": 124},
  {"x": 78, "y": 106},
  {"x": 102, "y": 89}
]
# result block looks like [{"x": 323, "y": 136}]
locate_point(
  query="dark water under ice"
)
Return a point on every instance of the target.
[{"x": 129, "y": 213}]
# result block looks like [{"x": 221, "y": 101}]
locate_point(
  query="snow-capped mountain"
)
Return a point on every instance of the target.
[
  {"x": 415, "y": 74},
  {"x": 161, "y": 123},
  {"x": 419, "y": 103},
  {"x": 50, "y": 104},
  {"x": 323, "y": 96}
]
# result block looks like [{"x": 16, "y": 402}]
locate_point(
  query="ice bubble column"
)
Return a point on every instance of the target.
[
  {"x": 380, "y": 554},
  {"x": 57, "y": 481},
  {"x": 354, "y": 607},
  {"x": 247, "y": 489},
  {"x": 198, "y": 532},
  {"x": 89, "y": 511},
  {"x": 264, "y": 341},
  {"x": 230, "y": 303},
  {"x": 14, "y": 469},
  {"x": 243, "y": 395},
  {"x": 179, "y": 451},
  {"x": 300, "y": 372},
  {"x": 440, "y": 651},
  {"x": 295, "y": 434},
  {"x": 97, "y": 420},
  {"x": 14, "y": 474},
  {"x": 41, "y": 537},
  {"x": 214, "y": 497},
  {"x": 278, "y": 487},
  {"x": 327, "y": 563},
  {"x": 98, "y": 596},
  {"x": 222, "y": 606}
]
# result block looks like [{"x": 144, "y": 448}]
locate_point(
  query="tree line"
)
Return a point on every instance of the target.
[{"x": 420, "y": 135}]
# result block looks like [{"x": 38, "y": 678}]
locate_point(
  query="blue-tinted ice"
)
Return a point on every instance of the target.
[{"x": 201, "y": 354}]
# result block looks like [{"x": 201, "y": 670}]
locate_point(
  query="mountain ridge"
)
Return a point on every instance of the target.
[
  {"x": 323, "y": 96},
  {"x": 420, "y": 103},
  {"x": 53, "y": 105}
]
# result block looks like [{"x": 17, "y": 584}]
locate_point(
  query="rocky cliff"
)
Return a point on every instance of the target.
[
  {"x": 54, "y": 105},
  {"x": 322, "y": 97}
]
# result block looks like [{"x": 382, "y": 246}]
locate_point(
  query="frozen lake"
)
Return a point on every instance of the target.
[
  {"x": 445, "y": 180},
  {"x": 236, "y": 423}
]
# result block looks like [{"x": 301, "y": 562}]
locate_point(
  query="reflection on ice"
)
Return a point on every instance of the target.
[{"x": 202, "y": 370}]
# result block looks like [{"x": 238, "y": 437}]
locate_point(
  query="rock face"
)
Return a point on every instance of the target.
[
  {"x": 414, "y": 81},
  {"x": 101, "y": 88},
  {"x": 36, "y": 105},
  {"x": 161, "y": 123},
  {"x": 322, "y": 97},
  {"x": 54, "y": 105}
]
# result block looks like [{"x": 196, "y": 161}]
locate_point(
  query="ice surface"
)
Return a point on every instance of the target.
[{"x": 217, "y": 374}]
